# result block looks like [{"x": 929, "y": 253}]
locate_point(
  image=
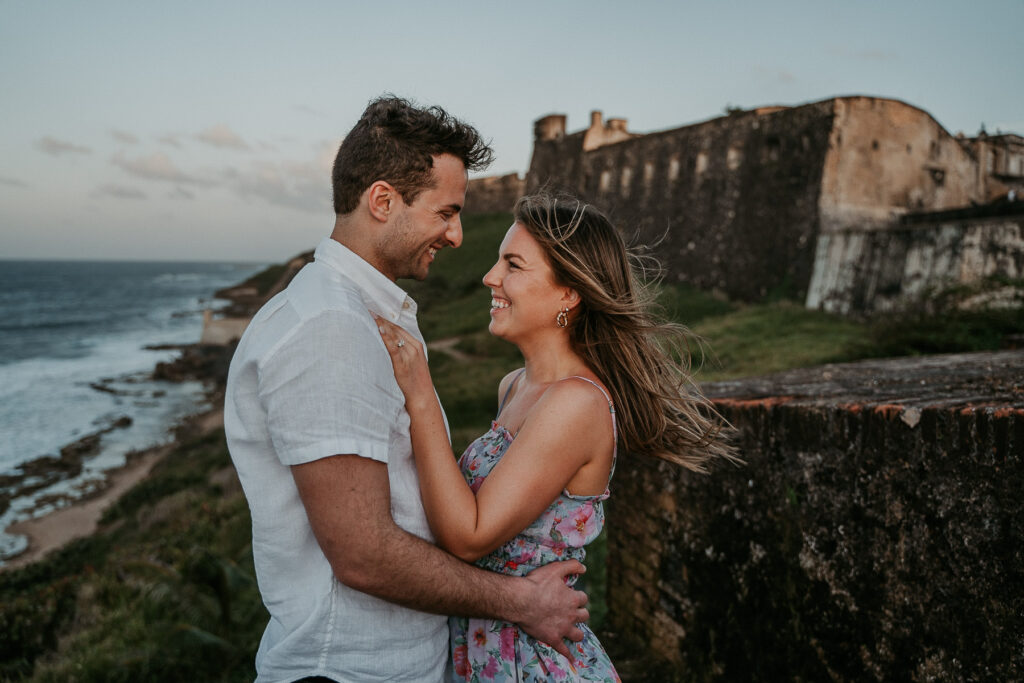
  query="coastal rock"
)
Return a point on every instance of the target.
[
  {"x": 197, "y": 363},
  {"x": 44, "y": 471}
]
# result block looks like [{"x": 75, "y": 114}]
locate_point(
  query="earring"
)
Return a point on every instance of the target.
[{"x": 562, "y": 319}]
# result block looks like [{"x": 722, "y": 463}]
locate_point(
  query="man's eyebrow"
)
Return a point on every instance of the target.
[{"x": 454, "y": 207}]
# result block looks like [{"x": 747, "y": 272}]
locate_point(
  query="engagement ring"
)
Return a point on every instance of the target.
[{"x": 401, "y": 343}]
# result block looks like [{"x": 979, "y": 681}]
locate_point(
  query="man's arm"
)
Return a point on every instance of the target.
[{"x": 348, "y": 502}]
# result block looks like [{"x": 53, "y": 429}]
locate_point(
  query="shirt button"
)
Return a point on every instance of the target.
[{"x": 405, "y": 305}]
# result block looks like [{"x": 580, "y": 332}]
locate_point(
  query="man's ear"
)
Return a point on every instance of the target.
[{"x": 381, "y": 196}]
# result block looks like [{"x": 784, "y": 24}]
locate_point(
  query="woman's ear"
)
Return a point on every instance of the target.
[
  {"x": 570, "y": 298},
  {"x": 380, "y": 198}
]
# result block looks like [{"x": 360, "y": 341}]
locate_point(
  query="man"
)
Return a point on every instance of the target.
[{"x": 317, "y": 430}]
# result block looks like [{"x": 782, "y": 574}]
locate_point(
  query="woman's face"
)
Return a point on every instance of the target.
[{"x": 524, "y": 295}]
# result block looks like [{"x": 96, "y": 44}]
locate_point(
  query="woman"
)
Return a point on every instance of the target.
[{"x": 530, "y": 490}]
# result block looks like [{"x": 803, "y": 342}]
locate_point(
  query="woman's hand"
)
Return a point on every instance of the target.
[{"x": 408, "y": 361}]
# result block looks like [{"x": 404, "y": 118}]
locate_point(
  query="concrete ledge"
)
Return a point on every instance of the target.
[{"x": 874, "y": 534}]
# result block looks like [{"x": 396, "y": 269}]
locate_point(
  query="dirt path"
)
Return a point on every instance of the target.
[
  {"x": 448, "y": 346},
  {"x": 82, "y": 518}
]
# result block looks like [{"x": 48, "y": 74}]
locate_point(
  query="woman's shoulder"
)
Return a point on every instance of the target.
[{"x": 576, "y": 397}]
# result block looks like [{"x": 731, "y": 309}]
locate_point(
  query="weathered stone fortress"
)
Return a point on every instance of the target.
[{"x": 832, "y": 202}]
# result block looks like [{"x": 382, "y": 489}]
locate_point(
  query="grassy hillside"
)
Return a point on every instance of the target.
[{"x": 165, "y": 591}]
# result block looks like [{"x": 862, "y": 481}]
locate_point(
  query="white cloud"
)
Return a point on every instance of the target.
[
  {"x": 300, "y": 185},
  {"x": 171, "y": 140},
  {"x": 223, "y": 137},
  {"x": 780, "y": 75},
  {"x": 119, "y": 192},
  {"x": 156, "y": 166},
  {"x": 57, "y": 147},
  {"x": 12, "y": 182},
  {"x": 124, "y": 136},
  {"x": 180, "y": 192}
]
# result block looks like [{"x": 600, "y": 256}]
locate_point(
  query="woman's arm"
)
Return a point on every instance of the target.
[{"x": 563, "y": 432}]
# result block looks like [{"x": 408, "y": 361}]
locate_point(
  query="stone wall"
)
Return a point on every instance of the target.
[
  {"x": 874, "y": 533},
  {"x": 493, "y": 194},
  {"x": 729, "y": 204},
  {"x": 222, "y": 331},
  {"x": 902, "y": 267},
  {"x": 887, "y": 158}
]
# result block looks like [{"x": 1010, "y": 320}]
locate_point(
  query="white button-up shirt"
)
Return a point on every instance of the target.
[{"x": 311, "y": 379}]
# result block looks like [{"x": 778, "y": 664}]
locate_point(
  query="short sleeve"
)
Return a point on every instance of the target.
[{"x": 328, "y": 390}]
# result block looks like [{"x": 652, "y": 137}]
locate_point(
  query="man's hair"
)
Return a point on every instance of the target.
[{"x": 396, "y": 141}]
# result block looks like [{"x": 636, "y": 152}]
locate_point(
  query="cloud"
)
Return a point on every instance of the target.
[
  {"x": 780, "y": 75},
  {"x": 223, "y": 137},
  {"x": 124, "y": 136},
  {"x": 171, "y": 140},
  {"x": 119, "y": 192},
  {"x": 157, "y": 166},
  {"x": 300, "y": 185},
  {"x": 180, "y": 192},
  {"x": 57, "y": 147},
  {"x": 12, "y": 182}
]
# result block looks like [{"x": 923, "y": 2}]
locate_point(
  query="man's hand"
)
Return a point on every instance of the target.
[{"x": 553, "y": 609}]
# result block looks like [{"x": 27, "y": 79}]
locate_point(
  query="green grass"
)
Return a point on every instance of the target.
[
  {"x": 759, "y": 339},
  {"x": 165, "y": 592}
]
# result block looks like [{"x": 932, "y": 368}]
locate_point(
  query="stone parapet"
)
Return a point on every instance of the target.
[{"x": 874, "y": 533}]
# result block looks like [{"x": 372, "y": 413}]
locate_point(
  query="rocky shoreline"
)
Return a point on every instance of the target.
[{"x": 72, "y": 514}]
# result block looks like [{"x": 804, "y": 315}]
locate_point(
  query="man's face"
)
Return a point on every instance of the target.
[{"x": 421, "y": 229}]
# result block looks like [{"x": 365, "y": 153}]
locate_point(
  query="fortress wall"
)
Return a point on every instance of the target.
[
  {"x": 874, "y": 533},
  {"x": 730, "y": 203},
  {"x": 887, "y": 158},
  {"x": 556, "y": 162},
  {"x": 899, "y": 268},
  {"x": 494, "y": 194}
]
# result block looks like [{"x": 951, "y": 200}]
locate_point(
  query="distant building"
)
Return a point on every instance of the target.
[{"x": 1000, "y": 157}]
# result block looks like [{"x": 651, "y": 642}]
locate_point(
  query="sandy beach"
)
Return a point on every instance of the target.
[{"x": 58, "y": 528}]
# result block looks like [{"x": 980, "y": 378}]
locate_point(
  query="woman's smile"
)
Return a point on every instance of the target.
[{"x": 497, "y": 303}]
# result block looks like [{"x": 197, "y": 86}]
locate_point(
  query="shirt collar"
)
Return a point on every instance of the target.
[{"x": 379, "y": 293}]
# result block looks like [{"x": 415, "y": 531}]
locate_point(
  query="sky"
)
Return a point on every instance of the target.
[{"x": 206, "y": 130}]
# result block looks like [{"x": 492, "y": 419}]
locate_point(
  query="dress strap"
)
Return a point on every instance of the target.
[
  {"x": 611, "y": 409},
  {"x": 509, "y": 390}
]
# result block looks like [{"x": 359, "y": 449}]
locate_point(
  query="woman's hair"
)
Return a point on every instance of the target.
[{"x": 644, "y": 361}]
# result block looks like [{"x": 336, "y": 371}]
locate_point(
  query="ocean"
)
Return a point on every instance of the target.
[{"x": 74, "y": 361}]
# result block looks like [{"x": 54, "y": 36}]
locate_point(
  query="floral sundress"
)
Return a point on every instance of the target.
[{"x": 486, "y": 650}]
